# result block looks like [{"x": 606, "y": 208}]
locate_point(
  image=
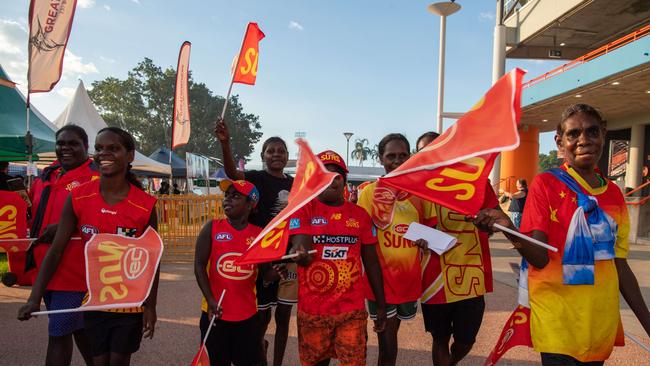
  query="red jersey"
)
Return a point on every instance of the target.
[
  {"x": 129, "y": 217},
  {"x": 332, "y": 283},
  {"x": 228, "y": 244},
  {"x": 69, "y": 276},
  {"x": 464, "y": 271}
]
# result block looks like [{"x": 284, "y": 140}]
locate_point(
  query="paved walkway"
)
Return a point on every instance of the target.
[{"x": 177, "y": 335}]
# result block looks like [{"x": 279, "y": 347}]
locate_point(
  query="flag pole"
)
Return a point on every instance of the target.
[
  {"x": 214, "y": 317},
  {"x": 28, "y": 142},
  {"x": 233, "y": 72},
  {"x": 525, "y": 237}
]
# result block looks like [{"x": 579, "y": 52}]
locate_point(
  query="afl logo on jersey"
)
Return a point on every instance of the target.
[
  {"x": 89, "y": 230},
  {"x": 134, "y": 262},
  {"x": 227, "y": 268},
  {"x": 223, "y": 236},
  {"x": 401, "y": 228},
  {"x": 318, "y": 221}
]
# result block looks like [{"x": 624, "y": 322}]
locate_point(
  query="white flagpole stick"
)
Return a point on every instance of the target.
[
  {"x": 294, "y": 255},
  {"x": 60, "y": 311},
  {"x": 637, "y": 341},
  {"x": 525, "y": 237},
  {"x": 30, "y": 239},
  {"x": 214, "y": 317}
]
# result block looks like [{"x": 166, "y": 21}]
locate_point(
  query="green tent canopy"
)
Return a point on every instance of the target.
[{"x": 13, "y": 127}]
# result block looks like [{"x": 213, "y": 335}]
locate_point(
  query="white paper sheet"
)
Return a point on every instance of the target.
[{"x": 437, "y": 241}]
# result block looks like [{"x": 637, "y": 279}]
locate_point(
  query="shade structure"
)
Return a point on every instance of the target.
[
  {"x": 178, "y": 164},
  {"x": 82, "y": 112},
  {"x": 13, "y": 126}
]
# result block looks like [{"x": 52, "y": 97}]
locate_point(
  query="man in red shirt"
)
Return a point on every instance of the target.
[
  {"x": 68, "y": 285},
  {"x": 331, "y": 310}
]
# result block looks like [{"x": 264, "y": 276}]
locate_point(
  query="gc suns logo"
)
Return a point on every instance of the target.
[{"x": 330, "y": 253}]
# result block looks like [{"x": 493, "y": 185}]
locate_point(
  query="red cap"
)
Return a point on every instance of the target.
[
  {"x": 331, "y": 157},
  {"x": 248, "y": 189}
]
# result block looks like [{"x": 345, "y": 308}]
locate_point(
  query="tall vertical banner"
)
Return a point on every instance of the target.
[
  {"x": 50, "y": 23},
  {"x": 311, "y": 179},
  {"x": 246, "y": 69},
  {"x": 453, "y": 169},
  {"x": 181, "y": 124}
]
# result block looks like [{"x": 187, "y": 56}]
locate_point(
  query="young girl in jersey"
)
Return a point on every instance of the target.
[
  {"x": 114, "y": 204},
  {"x": 274, "y": 186},
  {"x": 399, "y": 258},
  {"x": 236, "y": 335}
]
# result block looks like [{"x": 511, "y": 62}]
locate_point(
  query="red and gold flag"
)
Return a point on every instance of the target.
[
  {"x": 120, "y": 270},
  {"x": 516, "y": 332},
  {"x": 311, "y": 179},
  {"x": 181, "y": 124},
  {"x": 201, "y": 358},
  {"x": 453, "y": 169},
  {"x": 246, "y": 67},
  {"x": 13, "y": 234},
  {"x": 50, "y": 23}
]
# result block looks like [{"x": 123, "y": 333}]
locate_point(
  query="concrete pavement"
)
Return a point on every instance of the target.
[{"x": 177, "y": 334}]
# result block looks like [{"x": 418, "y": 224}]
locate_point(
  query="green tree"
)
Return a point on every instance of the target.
[
  {"x": 143, "y": 104},
  {"x": 548, "y": 161},
  {"x": 361, "y": 151}
]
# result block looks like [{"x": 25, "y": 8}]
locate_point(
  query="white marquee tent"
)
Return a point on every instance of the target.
[{"x": 82, "y": 112}]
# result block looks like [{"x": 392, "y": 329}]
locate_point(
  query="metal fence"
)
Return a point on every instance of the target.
[{"x": 180, "y": 219}]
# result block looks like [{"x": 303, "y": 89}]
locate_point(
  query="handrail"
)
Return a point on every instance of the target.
[
  {"x": 637, "y": 189},
  {"x": 639, "y": 202},
  {"x": 638, "y": 34}
]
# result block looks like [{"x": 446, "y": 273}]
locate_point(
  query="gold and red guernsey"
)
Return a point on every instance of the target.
[{"x": 453, "y": 169}]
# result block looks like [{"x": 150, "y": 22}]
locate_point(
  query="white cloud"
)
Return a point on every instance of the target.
[
  {"x": 108, "y": 8},
  {"x": 107, "y": 59},
  {"x": 85, "y": 4},
  {"x": 13, "y": 52},
  {"x": 73, "y": 65},
  {"x": 486, "y": 15},
  {"x": 65, "y": 92},
  {"x": 136, "y": 1},
  {"x": 295, "y": 25}
]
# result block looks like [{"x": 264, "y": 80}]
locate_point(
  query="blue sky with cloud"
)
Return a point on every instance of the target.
[{"x": 325, "y": 67}]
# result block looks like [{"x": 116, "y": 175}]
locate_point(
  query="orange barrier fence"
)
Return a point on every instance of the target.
[
  {"x": 592, "y": 55},
  {"x": 180, "y": 219}
]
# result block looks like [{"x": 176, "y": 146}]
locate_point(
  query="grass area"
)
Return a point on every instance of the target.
[{"x": 4, "y": 266}]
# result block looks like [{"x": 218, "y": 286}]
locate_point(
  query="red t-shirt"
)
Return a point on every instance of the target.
[
  {"x": 228, "y": 243},
  {"x": 130, "y": 217},
  {"x": 332, "y": 283},
  {"x": 68, "y": 276}
]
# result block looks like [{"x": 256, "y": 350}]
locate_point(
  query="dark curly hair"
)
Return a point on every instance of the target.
[{"x": 129, "y": 144}]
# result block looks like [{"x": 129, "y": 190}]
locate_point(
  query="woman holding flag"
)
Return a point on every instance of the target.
[
  {"x": 114, "y": 204},
  {"x": 574, "y": 293},
  {"x": 274, "y": 186}
]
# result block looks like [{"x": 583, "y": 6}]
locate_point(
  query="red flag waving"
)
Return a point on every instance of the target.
[
  {"x": 516, "y": 332},
  {"x": 201, "y": 358},
  {"x": 13, "y": 234},
  {"x": 50, "y": 23},
  {"x": 453, "y": 169},
  {"x": 120, "y": 270},
  {"x": 181, "y": 124},
  {"x": 311, "y": 179},
  {"x": 246, "y": 68}
]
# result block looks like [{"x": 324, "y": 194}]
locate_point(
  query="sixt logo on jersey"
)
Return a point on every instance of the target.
[
  {"x": 318, "y": 221},
  {"x": 335, "y": 252},
  {"x": 223, "y": 236},
  {"x": 89, "y": 230}
]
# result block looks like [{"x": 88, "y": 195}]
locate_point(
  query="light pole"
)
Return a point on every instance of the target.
[
  {"x": 347, "y": 150},
  {"x": 443, "y": 9}
]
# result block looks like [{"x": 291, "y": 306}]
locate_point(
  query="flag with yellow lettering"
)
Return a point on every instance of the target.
[
  {"x": 246, "y": 66},
  {"x": 201, "y": 358},
  {"x": 453, "y": 169},
  {"x": 13, "y": 234},
  {"x": 516, "y": 332},
  {"x": 311, "y": 179},
  {"x": 120, "y": 270},
  {"x": 50, "y": 23}
]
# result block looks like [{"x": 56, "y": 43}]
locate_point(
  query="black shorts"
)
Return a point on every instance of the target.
[
  {"x": 462, "y": 319},
  {"x": 233, "y": 342},
  {"x": 267, "y": 294},
  {"x": 113, "y": 332}
]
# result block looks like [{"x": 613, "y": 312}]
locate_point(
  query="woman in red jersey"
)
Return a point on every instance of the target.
[{"x": 114, "y": 204}]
